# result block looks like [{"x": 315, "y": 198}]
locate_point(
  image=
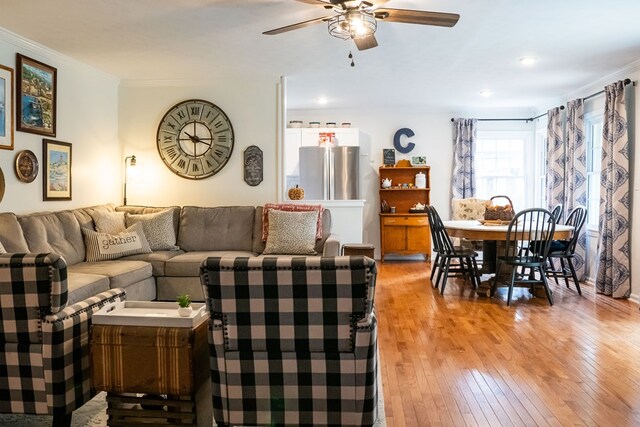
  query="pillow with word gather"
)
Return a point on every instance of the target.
[{"x": 106, "y": 246}]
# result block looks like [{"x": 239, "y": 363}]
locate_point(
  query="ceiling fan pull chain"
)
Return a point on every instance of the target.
[{"x": 353, "y": 64}]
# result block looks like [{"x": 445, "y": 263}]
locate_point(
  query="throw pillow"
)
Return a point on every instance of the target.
[
  {"x": 108, "y": 222},
  {"x": 292, "y": 207},
  {"x": 106, "y": 246},
  {"x": 158, "y": 229},
  {"x": 291, "y": 233}
]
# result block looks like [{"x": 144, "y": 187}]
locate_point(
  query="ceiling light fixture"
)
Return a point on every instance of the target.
[
  {"x": 486, "y": 93},
  {"x": 354, "y": 24},
  {"x": 527, "y": 60},
  {"x": 322, "y": 100}
]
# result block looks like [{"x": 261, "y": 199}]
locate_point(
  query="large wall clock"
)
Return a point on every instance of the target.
[{"x": 195, "y": 139}]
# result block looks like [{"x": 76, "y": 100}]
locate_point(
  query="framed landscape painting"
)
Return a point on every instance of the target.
[
  {"x": 36, "y": 96},
  {"x": 6, "y": 108},
  {"x": 56, "y": 170}
]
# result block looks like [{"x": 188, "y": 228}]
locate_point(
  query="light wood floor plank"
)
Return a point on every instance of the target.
[{"x": 461, "y": 359}]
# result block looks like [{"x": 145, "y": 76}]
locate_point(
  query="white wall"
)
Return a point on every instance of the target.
[
  {"x": 87, "y": 117},
  {"x": 433, "y": 139},
  {"x": 250, "y": 104}
]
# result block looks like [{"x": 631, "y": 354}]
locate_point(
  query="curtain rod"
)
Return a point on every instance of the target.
[
  {"x": 529, "y": 119},
  {"x": 626, "y": 82}
]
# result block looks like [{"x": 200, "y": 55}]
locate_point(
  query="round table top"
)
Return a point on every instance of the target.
[{"x": 474, "y": 230}]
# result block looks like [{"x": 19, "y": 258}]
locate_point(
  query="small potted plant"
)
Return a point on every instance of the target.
[{"x": 184, "y": 305}]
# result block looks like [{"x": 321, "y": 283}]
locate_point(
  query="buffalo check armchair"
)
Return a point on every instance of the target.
[
  {"x": 44, "y": 344},
  {"x": 292, "y": 340}
]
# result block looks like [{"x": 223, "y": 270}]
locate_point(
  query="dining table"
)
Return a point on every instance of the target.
[{"x": 493, "y": 236}]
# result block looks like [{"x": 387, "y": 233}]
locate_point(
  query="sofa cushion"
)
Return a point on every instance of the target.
[
  {"x": 290, "y": 207},
  {"x": 109, "y": 222},
  {"x": 216, "y": 229},
  {"x": 106, "y": 246},
  {"x": 11, "y": 234},
  {"x": 139, "y": 210},
  {"x": 259, "y": 245},
  {"x": 292, "y": 233},
  {"x": 188, "y": 264},
  {"x": 120, "y": 273},
  {"x": 85, "y": 215},
  {"x": 158, "y": 228},
  {"x": 82, "y": 286},
  {"x": 157, "y": 260},
  {"x": 57, "y": 232}
]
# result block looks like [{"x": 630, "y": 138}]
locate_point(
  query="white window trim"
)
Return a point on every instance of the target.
[
  {"x": 528, "y": 137},
  {"x": 589, "y": 118}
]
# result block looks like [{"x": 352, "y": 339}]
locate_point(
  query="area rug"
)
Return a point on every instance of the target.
[{"x": 93, "y": 413}]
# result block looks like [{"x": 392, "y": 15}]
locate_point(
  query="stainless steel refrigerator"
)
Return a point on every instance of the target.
[{"x": 330, "y": 173}]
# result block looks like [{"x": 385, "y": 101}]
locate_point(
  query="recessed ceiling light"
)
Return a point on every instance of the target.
[
  {"x": 322, "y": 100},
  {"x": 527, "y": 60},
  {"x": 486, "y": 93}
]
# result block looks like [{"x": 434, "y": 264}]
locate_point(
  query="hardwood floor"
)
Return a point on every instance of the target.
[{"x": 461, "y": 359}]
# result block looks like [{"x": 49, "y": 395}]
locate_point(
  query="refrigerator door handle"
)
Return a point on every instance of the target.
[{"x": 332, "y": 180}]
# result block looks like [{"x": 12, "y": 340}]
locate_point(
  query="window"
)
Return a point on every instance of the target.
[
  {"x": 503, "y": 166},
  {"x": 593, "y": 127}
]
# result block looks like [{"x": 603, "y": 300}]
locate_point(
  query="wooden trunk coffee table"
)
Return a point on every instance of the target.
[{"x": 155, "y": 375}]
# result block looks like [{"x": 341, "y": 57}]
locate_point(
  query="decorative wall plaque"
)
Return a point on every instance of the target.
[
  {"x": 388, "y": 156},
  {"x": 253, "y": 165},
  {"x": 398, "y": 145}
]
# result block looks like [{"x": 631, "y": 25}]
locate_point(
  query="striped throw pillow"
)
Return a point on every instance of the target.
[{"x": 106, "y": 246}]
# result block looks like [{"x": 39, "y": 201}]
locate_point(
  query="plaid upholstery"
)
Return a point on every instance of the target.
[
  {"x": 292, "y": 340},
  {"x": 44, "y": 345}
]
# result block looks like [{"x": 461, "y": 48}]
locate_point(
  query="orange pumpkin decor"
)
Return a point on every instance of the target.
[{"x": 296, "y": 193}]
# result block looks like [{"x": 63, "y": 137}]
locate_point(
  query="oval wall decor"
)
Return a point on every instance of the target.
[{"x": 253, "y": 169}]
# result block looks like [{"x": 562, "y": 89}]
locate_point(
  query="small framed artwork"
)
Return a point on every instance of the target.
[
  {"x": 418, "y": 160},
  {"x": 6, "y": 108},
  {"x": 388, "y": 156},
  {"x": 56, "y": 171},
  {"x": 36, "y": 96}
]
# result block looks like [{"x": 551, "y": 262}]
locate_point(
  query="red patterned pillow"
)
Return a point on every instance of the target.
[{"x": 291, "y": 207}]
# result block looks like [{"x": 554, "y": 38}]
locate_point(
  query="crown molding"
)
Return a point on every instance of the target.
[
  {"x": 36, "y": 49},
  {"x": 599, "y": 84}
]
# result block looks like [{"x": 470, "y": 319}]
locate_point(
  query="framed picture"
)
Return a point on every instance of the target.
[
  {"x": 6, "y": 108},
  {"x": 36, "y": 97},
  {"x": 56, "y": 171},
  {"x": 419, "y": 160}
]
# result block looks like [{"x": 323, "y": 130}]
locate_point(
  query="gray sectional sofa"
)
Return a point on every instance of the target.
[
  {"x": 49, "y": 291},
  {"x": 201, "y": 232}
]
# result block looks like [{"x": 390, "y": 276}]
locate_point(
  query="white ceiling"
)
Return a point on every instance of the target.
[{"x": 576, "y": 42}]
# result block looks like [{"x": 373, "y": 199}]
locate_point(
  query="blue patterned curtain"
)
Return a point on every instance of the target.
[
  {"x": 555, "y": 158},
  {"x": 576, "y": 176},
  {"x": 463, "y": 181},
  {"x": 613, "y": 238}
]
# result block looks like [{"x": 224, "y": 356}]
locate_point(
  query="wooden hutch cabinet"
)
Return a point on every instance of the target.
[{"x": 404, "y": 232}]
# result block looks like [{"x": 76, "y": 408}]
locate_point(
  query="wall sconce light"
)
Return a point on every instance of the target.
[{"x": 129, "y": 161}]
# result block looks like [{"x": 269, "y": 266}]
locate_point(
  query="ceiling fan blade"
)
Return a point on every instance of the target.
[
  {"x": 422, "y": 17},
  {"x": 296, "y": 26},
  {"x": 364, "y": 43},
  {"x": 315, "y": 2}
]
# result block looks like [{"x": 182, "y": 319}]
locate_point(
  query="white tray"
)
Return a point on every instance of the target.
[{"x": 149, "y": 313}]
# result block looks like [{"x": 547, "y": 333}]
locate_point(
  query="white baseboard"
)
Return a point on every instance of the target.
[{"x": 633, "y": 297}]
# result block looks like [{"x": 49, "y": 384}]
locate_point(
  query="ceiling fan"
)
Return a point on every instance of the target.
[{"x": 358, "y": 19}]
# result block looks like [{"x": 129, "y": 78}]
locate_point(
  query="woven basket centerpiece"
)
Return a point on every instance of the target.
[{"x": 499, "y": 212}]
